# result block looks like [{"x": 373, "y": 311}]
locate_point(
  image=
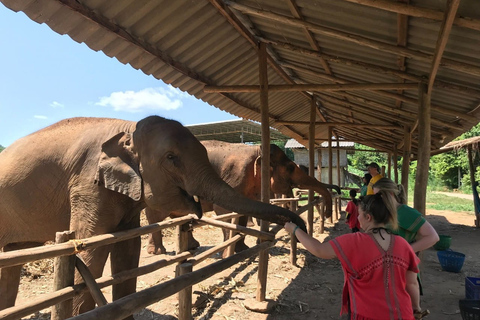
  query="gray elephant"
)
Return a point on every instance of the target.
[
  {"x": 94, "y": 176},
  {"x": 239, "y": 165}
]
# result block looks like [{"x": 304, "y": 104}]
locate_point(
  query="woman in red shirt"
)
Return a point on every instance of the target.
[{"x": 379, "y": 268}]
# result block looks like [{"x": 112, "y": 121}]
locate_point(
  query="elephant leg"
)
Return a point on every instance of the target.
[
  {"x": 192, "y": 242},
  {"x": 95, "y": 261},
  {"x": 155, "y": 243},
  {"x": 10, "y": 277},
  {"x": 125, "y": 256}
]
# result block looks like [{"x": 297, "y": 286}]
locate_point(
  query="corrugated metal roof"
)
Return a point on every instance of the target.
[
  {"x": 234, "y": 131},
  {"x": 190, "y": 44},
  {"x": 294, "y": 144}
]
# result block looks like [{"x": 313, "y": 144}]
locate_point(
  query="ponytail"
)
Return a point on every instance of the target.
[{"x": 382, "y": 207}]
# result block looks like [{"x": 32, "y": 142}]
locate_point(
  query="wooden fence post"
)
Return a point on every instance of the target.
[
  {"x": 230, "y": 250},
  {"x": 64, "y": 276},
  {"x": 293, "y": 239},
  {"x": 185, "y": 295}
]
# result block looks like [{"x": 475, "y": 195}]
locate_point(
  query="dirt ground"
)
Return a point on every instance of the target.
[{"x": 311, "y": 290}]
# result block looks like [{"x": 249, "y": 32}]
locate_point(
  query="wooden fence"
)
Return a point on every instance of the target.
[{"x": 66, "y": 261}]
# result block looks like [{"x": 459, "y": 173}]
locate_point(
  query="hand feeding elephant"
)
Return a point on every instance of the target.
[
  {"x": 94, "y": 176},
  {"x": 239, "y": 165}
]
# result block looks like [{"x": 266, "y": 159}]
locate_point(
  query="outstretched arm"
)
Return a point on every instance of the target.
[
  {"x": 426, "y": 237},
  {"x": 413, "y": 290},
  {"x": 321, "y": 250}
]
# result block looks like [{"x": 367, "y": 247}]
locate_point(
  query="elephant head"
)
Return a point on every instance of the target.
[
  {"x": 165, "y": 166},
  {"x": 287, "y": 175}
]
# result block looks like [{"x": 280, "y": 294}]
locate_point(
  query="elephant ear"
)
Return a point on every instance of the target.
[{"x": 118, "y": 168}]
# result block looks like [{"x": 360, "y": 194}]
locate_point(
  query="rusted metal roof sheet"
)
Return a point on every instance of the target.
[{"x": 190, "y": 44}]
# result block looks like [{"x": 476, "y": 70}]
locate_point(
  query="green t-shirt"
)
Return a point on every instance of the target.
[
  {"x": 363, "y": 190},
  {"x": 410, "y": 221}
]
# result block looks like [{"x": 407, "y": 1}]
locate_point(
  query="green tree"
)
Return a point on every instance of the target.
[
  {"x": 1, "y": 148},
  {"x": 446, "y": 168}
]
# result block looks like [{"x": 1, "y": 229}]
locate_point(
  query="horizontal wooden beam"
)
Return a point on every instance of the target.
[
  {"x": 413, "y": 11},
  {"x": 340, "y": 124},
  {"x": 350, "y": 37},
  {"x": 314, "y": 87}
]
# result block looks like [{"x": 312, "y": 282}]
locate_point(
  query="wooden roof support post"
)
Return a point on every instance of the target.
[
  {"x": 407, "y": 144},
  {"x": 330, "y": 160},
  {"x": 424, "y": 141},
  {"x": 265, "y": 167},
  {"x": 311, "y": 161},
  {"x": 476, "y": 204},
  {"x": 330, "y": 154},
  {"x": 395, "y": 162},
  {"x": 339, "y": 179},
  {"x": 389, "y": 165}
]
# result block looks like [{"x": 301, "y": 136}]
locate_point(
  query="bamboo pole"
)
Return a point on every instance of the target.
[
  {"x": 127, "y": 305},
  {"x": 64, "y": 276},
  {"x": 18, "y": 257}
]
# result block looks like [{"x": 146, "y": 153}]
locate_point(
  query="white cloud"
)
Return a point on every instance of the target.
[
  {"x": 56, "y": 104},
  {"x": 40, "y": 117},
  {"x": 143, "y": 100}
]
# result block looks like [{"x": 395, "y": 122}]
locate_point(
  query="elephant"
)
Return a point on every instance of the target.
[
  {"x": 94, "y": 176},
  {"x": 239, "y": 165}
]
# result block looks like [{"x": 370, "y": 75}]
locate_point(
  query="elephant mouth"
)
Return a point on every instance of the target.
[{"x": 195, "y": 201}]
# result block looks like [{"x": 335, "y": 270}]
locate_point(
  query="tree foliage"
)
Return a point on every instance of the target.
[
  {"x": 1, "y": 148},
  {"x": 446, "y": 169},
  {"x": 450, "y": 167}
]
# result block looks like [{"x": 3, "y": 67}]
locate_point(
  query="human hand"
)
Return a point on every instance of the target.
[{"x": 289, "y": 226}]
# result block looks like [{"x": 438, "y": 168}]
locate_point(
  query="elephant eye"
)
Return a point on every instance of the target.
[
  {"x": 291, "y": 167},
  {"x": 170, "y": 157}
]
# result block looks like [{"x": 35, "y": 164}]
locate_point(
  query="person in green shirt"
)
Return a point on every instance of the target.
[
  {"x": 366, "y": 180},
  {"x": 412, "y": 226}
]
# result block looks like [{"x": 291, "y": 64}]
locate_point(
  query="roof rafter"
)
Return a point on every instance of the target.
[{"x": 363, "y": 41}]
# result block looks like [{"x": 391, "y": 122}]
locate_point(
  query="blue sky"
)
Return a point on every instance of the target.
[{"x": 46, "y": 77}]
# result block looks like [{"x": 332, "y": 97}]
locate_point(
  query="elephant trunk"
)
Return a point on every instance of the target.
[
  {"x": 215, "y": 190},
  {"x": 322, "y": 190}
]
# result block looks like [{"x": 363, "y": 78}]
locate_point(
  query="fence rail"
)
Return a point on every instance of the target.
[{"x": 128, "y": 305}]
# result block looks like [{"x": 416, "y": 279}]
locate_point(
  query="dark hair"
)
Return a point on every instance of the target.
[
  {"x": 367, "y": 177},
  {"x": 381, "y": 207},
  {"x": 353, "y": 194}
]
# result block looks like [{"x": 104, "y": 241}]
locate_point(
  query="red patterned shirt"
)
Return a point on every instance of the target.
[{"x": 375, "y": 279}]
